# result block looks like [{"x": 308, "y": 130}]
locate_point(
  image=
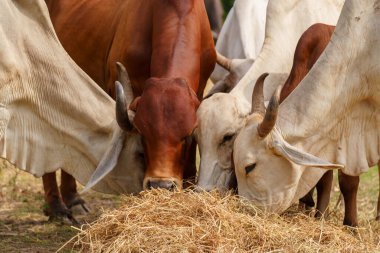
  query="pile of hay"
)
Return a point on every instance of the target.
[{"x": 163, "y": 221}]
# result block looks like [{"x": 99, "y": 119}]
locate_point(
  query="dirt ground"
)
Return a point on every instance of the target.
[{"x": 24, "y": 228}]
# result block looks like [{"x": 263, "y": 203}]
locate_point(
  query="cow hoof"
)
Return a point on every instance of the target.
[
  {"x": 350, "y": 224},
  {"x": 60, "y": 214},
  {"x": 74, "y": 201},
  {"x": 304, "y": 208},
  {"x": 64, "y": 220}
]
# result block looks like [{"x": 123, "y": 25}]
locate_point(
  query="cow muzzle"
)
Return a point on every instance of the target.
[{"x": 170, "y": 184}]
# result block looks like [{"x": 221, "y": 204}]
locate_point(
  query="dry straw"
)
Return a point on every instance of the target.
[{"x": 163, "y": 221}]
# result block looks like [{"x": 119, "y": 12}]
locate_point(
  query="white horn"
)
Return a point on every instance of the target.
[{"x": 223, "y": 61}]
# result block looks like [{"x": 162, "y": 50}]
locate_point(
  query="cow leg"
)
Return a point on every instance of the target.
[
  {"x": 307, "y": 202},
  {"x": 191, "y": 169},
  {"x": 69, "y": 191},
  {"x": 378, "y": 208},
  {"x": 378, "y": 199},
  {"x": 324, "y": 186},
  {"x": 55, "y": 209},
  {"x": 349, "y": 188}
]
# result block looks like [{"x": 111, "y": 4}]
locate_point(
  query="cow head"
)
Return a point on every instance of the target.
[
  {"x": 165, "y": 117},
  {"x": 268, "y": 169},
  {"x": 125, "y": 146},
  {"x": 220, "y": 118},
  {"x": 215, "y": 134},
  {"x": 218, "y": 126}
]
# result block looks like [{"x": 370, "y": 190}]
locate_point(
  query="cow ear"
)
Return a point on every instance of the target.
[
  {"x": 299, "y": 157},
  {"x": 135, "y": 103},
  {"x": 108, "y": 161}
]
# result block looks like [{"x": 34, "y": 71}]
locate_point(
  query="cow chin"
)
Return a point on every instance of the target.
[{"x": 162, "y": 183}]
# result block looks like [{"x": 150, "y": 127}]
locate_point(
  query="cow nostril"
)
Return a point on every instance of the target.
[{"x": 162, "y": 184}]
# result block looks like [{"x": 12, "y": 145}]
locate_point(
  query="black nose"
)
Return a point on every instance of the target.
[{"x": 163, "y": 184}]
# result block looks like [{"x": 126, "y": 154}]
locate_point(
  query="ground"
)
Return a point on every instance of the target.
[{"x": 24, "y": 228}]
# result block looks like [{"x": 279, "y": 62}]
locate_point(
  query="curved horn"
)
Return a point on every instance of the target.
[
  {"x": 108, "y": 161},
  {"x": 124, "y": 97},
  {"x": 270, "y": 117},
  {"x": 258, "y": 96},
  {"x": 122, "y": 116},
  {"x": 223, "y": 61},
  {"x": 123, "y": 77}
]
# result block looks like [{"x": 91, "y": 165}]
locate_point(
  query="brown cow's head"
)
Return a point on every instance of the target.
[{"x": 165, "y": 116}]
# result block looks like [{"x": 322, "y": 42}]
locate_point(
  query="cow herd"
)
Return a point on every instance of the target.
[{"x": 294, "y": 97}]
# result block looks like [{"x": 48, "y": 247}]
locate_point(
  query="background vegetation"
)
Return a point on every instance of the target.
[{"x": 227, "y": 5}]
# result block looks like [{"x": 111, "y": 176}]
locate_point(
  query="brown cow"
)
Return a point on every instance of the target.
[
  {"x": 310, "y": 46},
  {"x": 168, "y": 51}
]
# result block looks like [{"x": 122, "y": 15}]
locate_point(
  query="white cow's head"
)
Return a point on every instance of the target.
[
  {"x": 125, "y": 147},
  {"x": 215, "y": 134},
  {"x": 268, "y": 169},
  {"x": 220, "y": 117}
]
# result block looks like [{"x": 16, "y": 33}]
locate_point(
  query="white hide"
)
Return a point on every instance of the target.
[
  {"x": 52, "y": 115},
  {"x": 217, "y": 173},
  {"x": 333, "y": 114},
  {"x": 242, "y": 34},
  {"x": 226, "y": 113}
]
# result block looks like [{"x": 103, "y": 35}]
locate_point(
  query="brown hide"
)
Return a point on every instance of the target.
[
  {"x": 309, "y": 47},
  {"x": 168, "y": 51}
]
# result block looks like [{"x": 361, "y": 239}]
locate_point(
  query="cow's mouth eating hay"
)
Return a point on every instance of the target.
[{"x": 163, "y": 221}]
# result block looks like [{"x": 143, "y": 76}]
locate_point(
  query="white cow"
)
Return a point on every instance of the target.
[
  {"x": 52, "y": 115},
  {"x": 221, "y": 116},
  {"x": 242, "y": 34},
  {"x": 333, "y": 115}
]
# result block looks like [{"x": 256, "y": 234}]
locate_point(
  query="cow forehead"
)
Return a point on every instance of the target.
[
  {"x": 219, "y": 114},
  {"x": 248, "y": 139},
  {"x": 215, "y": 108},
  {"x": 168, "y": 89},
  {"x": 170, "y": 98},
  {"x": 167, "y": 104}
]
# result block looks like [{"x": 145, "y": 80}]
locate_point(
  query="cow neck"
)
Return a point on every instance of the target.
[
  {"x": 283, "y": 29},
  {"x": 319, "y": 114},
  {"x": 176, "y": 42},
  {"x": 252, "y": 36},
  {"x": 58, "y": 117}
]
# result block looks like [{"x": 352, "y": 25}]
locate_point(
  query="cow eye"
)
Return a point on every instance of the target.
[
  {"x": 227, "y": 138},
  {"x": 250, "y": 168}
]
